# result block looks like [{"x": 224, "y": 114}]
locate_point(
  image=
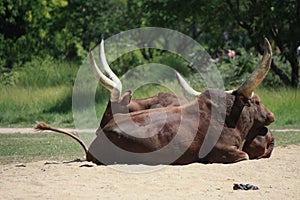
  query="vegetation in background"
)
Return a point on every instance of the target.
[
  {"x": 40, "y": 91},
  {"x": 234, "y": 71},
  {"x": 284, "y": 103},
  {"x": 233, "y": 23},
  {"x": 66, "y": 30},
  {"x": 22, "y": 106},
  {"x": 43, "y": 43}
]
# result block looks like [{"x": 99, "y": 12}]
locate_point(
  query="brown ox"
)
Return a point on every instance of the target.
[{"x": 243, "y": 135}]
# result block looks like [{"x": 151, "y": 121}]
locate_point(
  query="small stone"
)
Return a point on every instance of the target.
[{"x": 20, "y": 165}]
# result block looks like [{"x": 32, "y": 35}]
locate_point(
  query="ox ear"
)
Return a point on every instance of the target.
[
  {"x": 244, "y": 100},
  {"x": 239, "y": 102},
  {"x": 125, "y": 98}
]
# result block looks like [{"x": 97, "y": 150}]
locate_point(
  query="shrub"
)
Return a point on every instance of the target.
[
  {"x": 235, "y": 71},
  {"x": 42, "y": 73}
]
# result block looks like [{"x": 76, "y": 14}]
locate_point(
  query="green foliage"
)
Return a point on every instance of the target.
[
  {"x": 126, "y": 62},
  {"x": 40, "y": 73},
  {"x": 173, "y": 61},
  {"x": 149, "y": 90},
  {"x": 231, "y": 24},
  {"x": 46, "y": 73},
  {"x": 134, "y": 59},
  {"x": 29, "y": 30},
  {"x": 66, "y": 30},
  {"x": 235, "y": 71}
]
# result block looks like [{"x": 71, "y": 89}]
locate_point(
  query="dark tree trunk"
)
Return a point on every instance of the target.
[
  {"x": 295, "y": 73},
  {"x": 285, "y": 79}
]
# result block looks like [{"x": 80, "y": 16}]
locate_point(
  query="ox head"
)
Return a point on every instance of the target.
[
  {"x": 245, "y": 93},
  {"x": 254, "y": 111},
  {"x": 246, "y": 112}
]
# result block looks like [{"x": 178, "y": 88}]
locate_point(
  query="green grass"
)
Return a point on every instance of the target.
[
  {"x": 285, "y": 104},
  {"x": 48, "y": 72},
  {"x": 18, "y": 148},
  {"x": 286, "y": 138},
  {"x": 23, "y": 106}
]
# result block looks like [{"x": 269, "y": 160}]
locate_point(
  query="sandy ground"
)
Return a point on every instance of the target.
[{"x": 277, "y": 178}]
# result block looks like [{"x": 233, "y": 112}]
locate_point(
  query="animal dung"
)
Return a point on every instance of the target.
[{"x": 239, "y": 186}]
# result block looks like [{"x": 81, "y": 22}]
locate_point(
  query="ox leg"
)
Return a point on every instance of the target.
[
  {"x": 229, "y": 154},
  {"x": 236, "y": 155}
]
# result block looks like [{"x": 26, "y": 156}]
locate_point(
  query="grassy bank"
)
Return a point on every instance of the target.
[
  {"x": 21, "y": 107},
  {"x": 40, "y": 90}
]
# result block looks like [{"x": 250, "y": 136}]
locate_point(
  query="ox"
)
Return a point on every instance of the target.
[{"x": 157, "y": 120}]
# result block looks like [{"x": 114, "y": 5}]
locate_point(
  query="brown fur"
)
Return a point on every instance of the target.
[
  {"x": 246, "y": 136},
  {"x": 234, "y": 144}
]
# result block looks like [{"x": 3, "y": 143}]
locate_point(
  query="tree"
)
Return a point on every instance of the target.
[
  {"x": 277, "y": 20},
  {"x": 26, "y": 29},
  {"x": 61, "y": 29},
  {"x": 215, "y": 23}
]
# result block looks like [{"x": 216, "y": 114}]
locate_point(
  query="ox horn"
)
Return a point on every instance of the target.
[
  {"x": 104, "y": 65},
  {"x": 105, "y": 76},
  {"x": 247, "y": 88},
  {"x": 186, "y": 88}
]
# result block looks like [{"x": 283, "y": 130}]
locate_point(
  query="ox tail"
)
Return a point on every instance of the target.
[{"x": 42, "y": 126}]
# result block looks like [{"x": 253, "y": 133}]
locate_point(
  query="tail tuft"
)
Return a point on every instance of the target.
[{"x": 41, "y": 126}]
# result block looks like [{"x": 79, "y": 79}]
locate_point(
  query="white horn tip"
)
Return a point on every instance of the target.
[{"x": 267, "y": 47}]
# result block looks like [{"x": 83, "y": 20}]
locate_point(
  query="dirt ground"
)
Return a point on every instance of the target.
[{"x": 277, "y": 178}]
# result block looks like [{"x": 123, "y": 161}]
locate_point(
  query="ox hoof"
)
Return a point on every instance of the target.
[{"x": 243, "y": 156}]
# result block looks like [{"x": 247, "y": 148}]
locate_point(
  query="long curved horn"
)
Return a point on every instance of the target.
[
  {"x": 114, "y": 87},
  {"x": 188, "y": 91},
  {"x": 186, "y": 88},
  {"x": 247, "y": 88},
  {"x": 104, "y": 67}
]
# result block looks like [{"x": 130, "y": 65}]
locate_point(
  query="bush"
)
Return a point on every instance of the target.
[
  {"x": 175, "y": 62},
  {"x": 41, "y": 73},
  {"x": 235, "y": 71}
]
